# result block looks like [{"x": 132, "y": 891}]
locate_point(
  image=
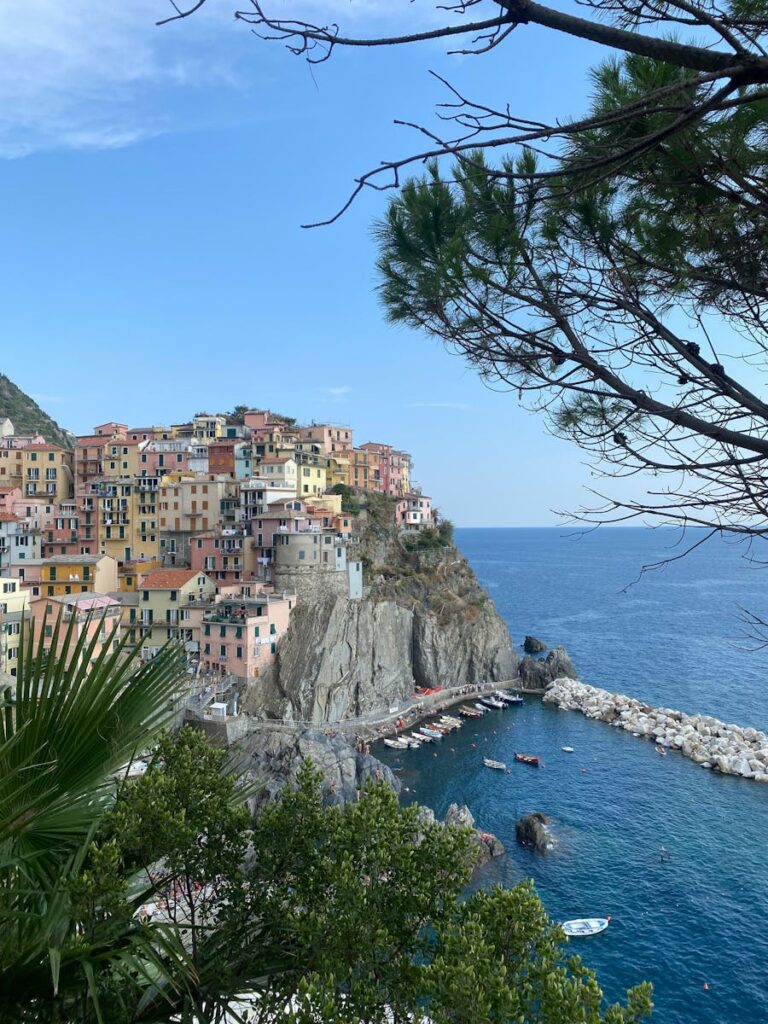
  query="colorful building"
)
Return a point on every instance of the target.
[
  {"x": 73, "y": 574},
  {"x": 168, "y": 606},
  {"x": 14, "y": 611},
  {"x": 240, "y": 635}
]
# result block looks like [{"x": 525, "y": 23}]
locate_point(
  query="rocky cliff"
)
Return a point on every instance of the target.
[{"x": 424, "y": 621}]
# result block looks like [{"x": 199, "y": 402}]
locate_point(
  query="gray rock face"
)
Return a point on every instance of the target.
[
  {"x": 539, "y": 674},
  {"x": 486, "y": 844},
  {"x": 276, "y": 756},
  {"x": 347, "y": 659},
  {"x": 533, "y": 646},
  {"x": 531, "y": 831}
]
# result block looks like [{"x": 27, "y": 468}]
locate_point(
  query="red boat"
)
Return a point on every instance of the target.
[{"x": 527, "y": 759}]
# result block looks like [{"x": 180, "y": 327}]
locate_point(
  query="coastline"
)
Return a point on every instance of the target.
[{"x": 709, "y": 742}]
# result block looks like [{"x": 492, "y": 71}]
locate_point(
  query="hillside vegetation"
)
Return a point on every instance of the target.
[{"x": 27, "y": 416}]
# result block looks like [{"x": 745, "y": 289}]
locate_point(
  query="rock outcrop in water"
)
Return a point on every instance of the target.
[
  {"x": 540, "y": 673},
  {"x": 532, "y": 645},
  {"x": 424, "y": 621},
  {"x": 531, "y": 831},
  {"x": 726, "y": 748}
]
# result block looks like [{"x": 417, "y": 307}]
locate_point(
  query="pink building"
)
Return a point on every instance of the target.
[
  {"x": 329, "y": 437},
  {"x": 414, "y": 511},
  {"x": 225, "y": 555},
  {"x": 240, "y": 635},
  {"x": 8, "y": 497},
  {"x": 95, "y": 615},
  {"x": 391, "y": 475},
  {"x": 59, "y": 530}
]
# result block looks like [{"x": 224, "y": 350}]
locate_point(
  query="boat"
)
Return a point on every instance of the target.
[
  {"x": 568, "y": 750},
  {"x": 508, "y": 698},
  {"x": 396, "y": 744},
  {"x": 492, "y": 702},
  {"x": 490, "y": 763},
  {"x": 481, "y": 708},
  {"x": 422, "y": 737},
  {"x": 434, "y": 734},
  {"x": 466, "y": 712},
  {"x": 661, "y": 750},
  {"x": 454, "y": 723},
  {"x": 585, "y": 926},
  {"x": 527, "y": 759}
]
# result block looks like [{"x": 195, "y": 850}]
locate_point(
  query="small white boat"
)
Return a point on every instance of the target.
[
  {"x": 492, "y": 702},
  {"x": 433, "y": 734},
  {"x": 568, "y": 750},
  {"x": 508, "y": 698},
  {"x": 396, "y": 744},
  {"x": 490, "y": 763},
  {"x": 420, "y": 738},
  {"x": 585, "y": 926},
  {"x": 481, "y": 708}
]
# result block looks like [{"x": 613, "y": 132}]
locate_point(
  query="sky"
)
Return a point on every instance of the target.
[{"x": 153, "y": 184}]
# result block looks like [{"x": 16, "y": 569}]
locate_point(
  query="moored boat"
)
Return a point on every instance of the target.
[
  {"x": 466, "y": 712},
  {"x": 585, "y": 926},
  {"x": 434, "y": 734},
  {"x": 422, "y": 737},
  {"x": 509, "y": 698},
  {"x": 568, "y": 750},
  {"x": 396, "y": 744},
  {"x": 481, "y": 708},
  {"x": 493, "y": 702},
  {"x": 527, "y": 759},
  {"x": 490, "y": 763}
]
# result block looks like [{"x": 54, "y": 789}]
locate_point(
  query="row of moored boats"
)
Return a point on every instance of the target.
[{"x": 430, "y": 732}]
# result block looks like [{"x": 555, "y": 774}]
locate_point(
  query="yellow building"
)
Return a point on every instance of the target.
[
  {"x": 14, "y": 609},
  {"x": 78, "y": 574},
  {"x": 47, "y": 473},
  {"x": 169, "y": 606},
  {"x": 311, "y": 480},
  {"x": 207, "y": 428},
  {"x": 11, "y": 467},
  {"x": 339, "y": 470}
]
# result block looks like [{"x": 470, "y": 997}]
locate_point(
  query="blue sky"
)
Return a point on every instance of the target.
[{"x": 153, "y": 184}]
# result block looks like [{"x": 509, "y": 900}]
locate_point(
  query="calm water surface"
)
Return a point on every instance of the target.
[{"x": 703, "y": 917}]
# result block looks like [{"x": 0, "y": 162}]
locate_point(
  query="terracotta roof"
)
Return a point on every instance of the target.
[
  {"x": 45, "y": 447},
  {"x": 9, "y": 517},
  {"x": 272, "y": 459},
  {"x": 167, "y": 579}
]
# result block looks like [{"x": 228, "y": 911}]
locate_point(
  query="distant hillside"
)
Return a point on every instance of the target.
[{"x": 28, "y": 417}]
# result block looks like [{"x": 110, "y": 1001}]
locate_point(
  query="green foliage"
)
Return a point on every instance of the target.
[
  {"x": 349, "y": 502},
  {"x": 77, "y": 720},
  {"x": 429, "y": 538},
  {"x": 368, "y": 897}
]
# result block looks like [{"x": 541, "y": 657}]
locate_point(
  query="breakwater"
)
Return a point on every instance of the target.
[{"x": 720, "y": 746}]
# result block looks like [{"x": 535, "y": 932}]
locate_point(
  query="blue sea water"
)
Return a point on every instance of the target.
[{"x": 671, "y": 639}]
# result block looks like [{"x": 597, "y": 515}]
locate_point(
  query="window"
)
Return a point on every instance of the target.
[
  {"x": 223, "y": 650},
  {"x": 222, "y": 631},
  {"x": 49, "y": 630},
  {"x": 207, "y": 649},
  {"x": 256, "y": 631},
  {"x": 272, "y": 629},
  {"x": 302, "y": 555},
  {"x": 207, "y": 631},
  {"x": 239, "y": 652},
  {"x": 273, "y": 648},
  {"x": 145, "y": 595},
  {"x": 174, "y": 594}
]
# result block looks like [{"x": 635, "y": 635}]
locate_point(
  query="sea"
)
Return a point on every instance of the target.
[{"x": 696, "y": 926}]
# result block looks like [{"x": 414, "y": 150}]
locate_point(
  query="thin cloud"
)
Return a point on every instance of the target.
[
  {"x": 88, "y": 74},
  {"x": 92, "y": 75},
  {"x": 337, "y": 392},
  {"x": 439, "y": 405}
]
